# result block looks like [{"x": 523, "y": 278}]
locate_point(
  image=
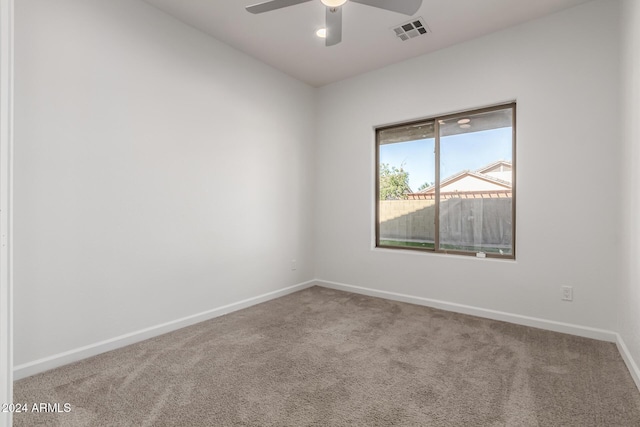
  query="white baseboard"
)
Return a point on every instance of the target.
[
  {"x": 550, "y": 325},
  {"x": 57, "y": 360},
  {"x": 628, "y": 360}
]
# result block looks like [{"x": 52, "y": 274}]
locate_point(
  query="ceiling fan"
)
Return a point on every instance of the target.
[{"x": 334, "y": 11}]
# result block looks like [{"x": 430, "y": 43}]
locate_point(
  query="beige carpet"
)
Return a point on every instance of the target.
[{"x": 329, "y": 358}]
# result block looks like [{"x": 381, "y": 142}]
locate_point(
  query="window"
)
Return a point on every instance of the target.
[{"x": 447, "y": 184}]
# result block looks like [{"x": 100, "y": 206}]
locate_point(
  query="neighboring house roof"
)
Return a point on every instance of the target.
[
  {"x": 499, "y": 166},
  {"x": 491, "y": 181}
]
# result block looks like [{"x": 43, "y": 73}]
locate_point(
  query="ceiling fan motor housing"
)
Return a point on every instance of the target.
[{"x": 334, "y": 11}]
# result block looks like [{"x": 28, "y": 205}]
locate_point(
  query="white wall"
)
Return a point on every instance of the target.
[
  {"x": 159, "y": 174},
  {"x": 629, "y": 302},
  {"x": 563, "y": 71}
]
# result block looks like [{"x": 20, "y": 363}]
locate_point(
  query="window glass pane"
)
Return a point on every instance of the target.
[
  {"x": 476, "y": 179},
  {"x": 406, "y": 177}
]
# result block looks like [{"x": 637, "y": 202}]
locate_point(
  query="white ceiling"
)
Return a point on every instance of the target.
[{"x": 285, "y": 38}]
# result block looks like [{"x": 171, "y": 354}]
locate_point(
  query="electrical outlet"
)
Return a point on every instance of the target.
[
  {"x": 567, "y": 293},
  {"x": 294, "y": 265}
]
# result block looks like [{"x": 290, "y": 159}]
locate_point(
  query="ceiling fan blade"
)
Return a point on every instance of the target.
[
  {"x": 407, "y": 7},
  {"x": 334, "y": 26},
  {"x": 272, "y": 5}
]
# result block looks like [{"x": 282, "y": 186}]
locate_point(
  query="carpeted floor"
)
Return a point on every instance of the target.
[{"x": 328, "y": 358}]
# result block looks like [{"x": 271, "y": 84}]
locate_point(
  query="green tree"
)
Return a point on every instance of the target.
[
  {"x": 425, "y": 185},
  {"x": 394, "y": 182}
]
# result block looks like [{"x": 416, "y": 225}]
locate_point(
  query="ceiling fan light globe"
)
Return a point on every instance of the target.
[{"x": 333, "y": 3}]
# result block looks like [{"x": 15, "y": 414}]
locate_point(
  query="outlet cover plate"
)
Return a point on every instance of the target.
[{"x": 567, "y": 293}]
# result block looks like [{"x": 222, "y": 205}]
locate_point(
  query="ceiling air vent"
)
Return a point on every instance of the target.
[{"x": 414, "y": 28}]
